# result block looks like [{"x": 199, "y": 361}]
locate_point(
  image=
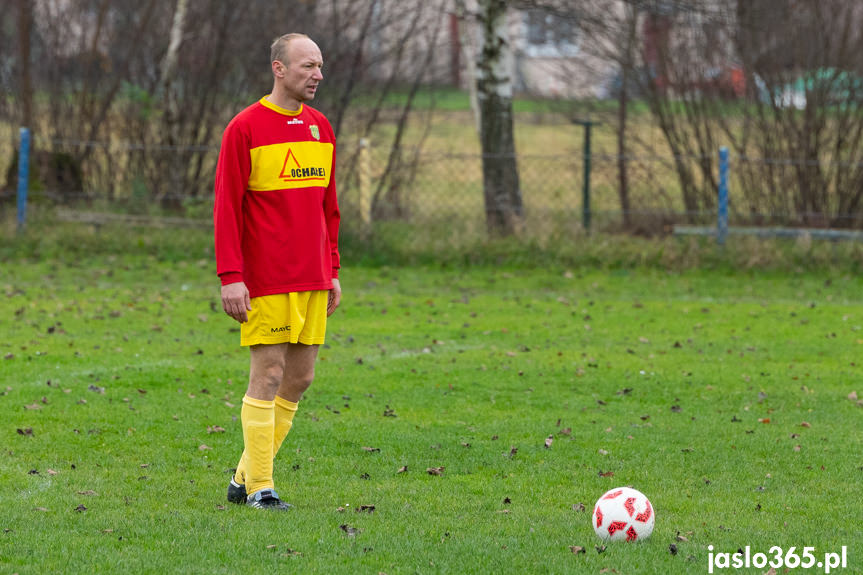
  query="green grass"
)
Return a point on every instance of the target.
[
  {"x": 449, "y": 99},
  {"x": 660, "y": 378},
  {"x": 457, "y": 242}
]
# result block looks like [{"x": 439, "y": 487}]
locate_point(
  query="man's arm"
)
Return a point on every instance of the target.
[
  {"x": 332, "y": 216},
  {"x": 232, "y": 176}
]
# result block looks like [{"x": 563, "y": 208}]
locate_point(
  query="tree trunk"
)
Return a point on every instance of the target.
[
  {"x": 171, "y": 198},
  {"x": 503, "y": 204},
  {"x": 627, "y": 67},
  {"x": 25, "y": 23},
  {"x": 469, "y": 52}
]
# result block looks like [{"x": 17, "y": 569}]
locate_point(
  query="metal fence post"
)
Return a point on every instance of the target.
[
  {"x": 722, "y": 213},
  {"x": 365, "y": 182},
  {"x": 585, "y": 191},
  {"x": 23, "y": 177}
]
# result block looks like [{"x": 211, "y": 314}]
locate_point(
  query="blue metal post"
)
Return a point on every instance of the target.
[
  {"x": 23, "y": 176},
  {"x": 722, "y": 220}
]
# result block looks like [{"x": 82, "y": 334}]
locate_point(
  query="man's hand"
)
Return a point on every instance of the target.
[
  {"x": 236, "y": 302},
  {"x": 335, "y": 297}
]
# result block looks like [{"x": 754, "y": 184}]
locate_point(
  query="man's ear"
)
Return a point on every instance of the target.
[{"x": 278, "y": 69}]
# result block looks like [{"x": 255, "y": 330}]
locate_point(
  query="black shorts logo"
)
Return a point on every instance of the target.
[{"x": 282, "y": 329}]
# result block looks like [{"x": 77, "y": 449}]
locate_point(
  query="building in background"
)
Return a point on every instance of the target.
[
  {"x": 549, "y": 58},
  {"x": 558, "y": 49},
  {"x": 552, "y": 57}
]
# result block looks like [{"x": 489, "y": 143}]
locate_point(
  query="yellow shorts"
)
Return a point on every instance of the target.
[{"x": 298, "y": 317}]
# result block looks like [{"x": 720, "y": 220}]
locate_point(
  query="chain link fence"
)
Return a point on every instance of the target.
[{"x": 426, "y": 198}]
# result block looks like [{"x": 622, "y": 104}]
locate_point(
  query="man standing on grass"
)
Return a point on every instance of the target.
[{"x": 276, "y": 229}]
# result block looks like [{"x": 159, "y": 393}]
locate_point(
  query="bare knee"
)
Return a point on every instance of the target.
[
  {"x": 295, "y": 383},
  {"x": 265, "y": 378},
  {"x": 300, "y": 380},
  {"x": 272, "y": 376},
  {"x": 299, "y": 371}
]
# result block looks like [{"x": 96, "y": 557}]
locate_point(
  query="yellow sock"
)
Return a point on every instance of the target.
[
  {"x": 284, "y": 420},
  {"x": 240, "y": 473},
  {"x": 285, "y": 411},
  {"x": 257, "y": 416}
]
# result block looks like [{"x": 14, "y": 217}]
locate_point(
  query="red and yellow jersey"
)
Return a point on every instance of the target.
[{"x": 276, "y": 214}]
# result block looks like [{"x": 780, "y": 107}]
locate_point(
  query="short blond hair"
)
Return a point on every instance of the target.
[{"x": 279, "y": 47}]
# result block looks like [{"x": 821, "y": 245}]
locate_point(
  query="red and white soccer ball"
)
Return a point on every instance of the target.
[{"x": 623, "y": 514}]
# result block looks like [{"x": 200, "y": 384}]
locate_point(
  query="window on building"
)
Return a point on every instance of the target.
[{"x": 550, "y": 35}]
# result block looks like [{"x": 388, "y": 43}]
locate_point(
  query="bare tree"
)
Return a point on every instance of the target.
[
  {"x": 400, "y": 170},
  {"x": 805, "y": 72},
  {"x": 781, "y": 84},
  {"x": 88, "y": 51},
  {"x": 493, "y": 60},
  {"x": 355, "y": 63},
  {"x": 608, "y": 44},
  {"x": 611, "y": 30},
  {"x": 373, "y": 51},
  {"x": 170, "y": 107},
  {"x": 140, "y": 113},
  {"x": 140, "y": 90},
  {"x": 627, "y": 67},
  {"x": 467, "y": 44},
  {"x": 24, "y": 84},
  {"x": 25, "y": 25}
]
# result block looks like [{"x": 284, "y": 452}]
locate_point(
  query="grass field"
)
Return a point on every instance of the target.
[{"x": 724, "y": 396}]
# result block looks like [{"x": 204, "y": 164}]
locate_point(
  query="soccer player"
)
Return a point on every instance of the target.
[{"x": 276, "y": 231}]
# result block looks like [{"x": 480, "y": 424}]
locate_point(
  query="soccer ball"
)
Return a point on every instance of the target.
[{"x": 623, "y": 514}]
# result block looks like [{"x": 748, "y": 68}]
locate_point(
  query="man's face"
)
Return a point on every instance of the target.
[{"x": 302, "y": 72}]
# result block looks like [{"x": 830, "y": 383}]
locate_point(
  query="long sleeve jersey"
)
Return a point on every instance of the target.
[{"x": 276, "y": 214}]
